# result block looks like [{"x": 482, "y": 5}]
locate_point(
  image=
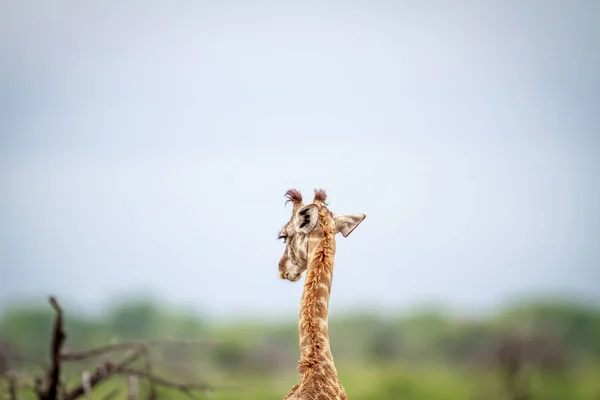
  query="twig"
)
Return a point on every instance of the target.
[
  {"x": 22, "y": 380},
  {"x": 38, "y": 387},
  {"x": 132, "y": 384},
  {"x": 184, "y": 387},
  {"x": 511, "y": 361},
  {"x": 52, "y": 388},
  {"x": 86, "y": 384},
  {"x": 102, "y": 373},
  {"x": 148, "y": 364},
  {"x": 58, "y": 338},
  {"x": 85, "y": 354},
  {"x": 12, "y": 387}
]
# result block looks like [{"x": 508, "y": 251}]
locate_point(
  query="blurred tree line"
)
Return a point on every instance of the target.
[{"x": 553, "y": 347}]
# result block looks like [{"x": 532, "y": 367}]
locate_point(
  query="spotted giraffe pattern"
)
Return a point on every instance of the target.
[{"x": 314, "y": 251}]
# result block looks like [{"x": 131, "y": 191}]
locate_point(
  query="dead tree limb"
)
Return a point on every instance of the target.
[
  {"x": 152, "y": 395},
  {"x": 51, "y": 387},
  {"x": 133, "y": 386},
  {"x": 183, "y": 387},
  {"x": 511, "y": 361},
  {"x": 50, "y": 392},
  {"x": 103, "y": 372},
  {"x": 85, "y": 383},
  {"x": 91, "y": 353},
  {"x": 12, "y": 387},
  {"x": 38, "y": 387}
]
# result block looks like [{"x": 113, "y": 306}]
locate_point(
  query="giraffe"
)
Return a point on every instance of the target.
[{"x": 309, "y": 238}]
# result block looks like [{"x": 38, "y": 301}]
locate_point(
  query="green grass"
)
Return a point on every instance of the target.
[{"x": 428, "y": 382}]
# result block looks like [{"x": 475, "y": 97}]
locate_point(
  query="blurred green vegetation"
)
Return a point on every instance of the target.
[{"x": 426, "y": 354}]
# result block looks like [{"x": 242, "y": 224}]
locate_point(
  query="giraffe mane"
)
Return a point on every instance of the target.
[{"x": 322, "y": 259}]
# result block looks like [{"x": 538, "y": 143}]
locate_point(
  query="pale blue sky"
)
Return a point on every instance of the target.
[{"x": 147, "y": 149}]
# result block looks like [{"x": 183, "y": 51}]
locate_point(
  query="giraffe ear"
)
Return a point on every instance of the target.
[
  {"x": 306, "y": 218},
  {"x": 346, "y": 223}
]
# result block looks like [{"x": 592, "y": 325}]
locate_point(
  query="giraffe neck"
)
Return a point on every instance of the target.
[
  {"x": 312, "y": 329},
  {"x": 319, "y": 376}
]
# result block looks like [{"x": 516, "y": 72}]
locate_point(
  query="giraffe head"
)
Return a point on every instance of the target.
[{"x": 305, "y": 230}]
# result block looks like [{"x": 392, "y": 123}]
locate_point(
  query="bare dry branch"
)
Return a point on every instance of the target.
[
  {"x": 102, "y": 373},
  {"x": 184, "y": 387},
  {"x": 51, "y": 387},
  {"x": 152, "y": 395},
  {"x": 58, "y": 338},
  {"x": 133, "y": 386},
  {"x": 12, "y": 387},
  {"x": 511, "y": 361},
  {"x": 86, "y": 384},
  {"x": 38, "y": 387},
  {"x": 85, "y": 354}
]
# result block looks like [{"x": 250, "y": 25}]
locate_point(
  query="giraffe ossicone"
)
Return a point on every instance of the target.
[{"x": 309, "y": 238}]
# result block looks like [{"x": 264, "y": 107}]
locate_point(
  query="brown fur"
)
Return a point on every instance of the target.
[
  {"x": 319, "y": 377},
  {"x": 320, "y": 195},
  {"x": 320, "y": 270},
  {"x": 294, "y": 196},
  {"x": 313, "y": 251}
]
